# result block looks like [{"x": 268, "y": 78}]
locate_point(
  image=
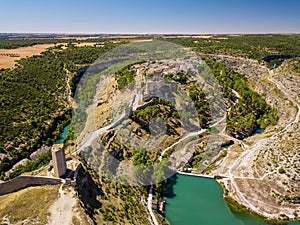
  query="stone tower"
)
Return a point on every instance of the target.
[{"x": 59, "y": 160}]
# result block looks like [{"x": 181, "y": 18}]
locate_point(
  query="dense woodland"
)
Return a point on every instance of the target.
[
  {"x": 251, "y": 46},
  {"x": 17, "y": 43},
  {"x": 34, "y": 99},
  {"x": 251, "y": 111}
]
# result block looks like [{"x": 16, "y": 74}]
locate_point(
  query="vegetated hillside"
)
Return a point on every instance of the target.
[
  {"x": 271, "y": 159},
  {"x": 251, "y": 46},
  {"x": 110, "y": 202},
  {"x": 34, "y": 99},
  {"x": 293, "y": 66},
  {"x": 251, "y": 110},
  {"x": 107, "y": 210},
  {"x": 247, "y": 110}
]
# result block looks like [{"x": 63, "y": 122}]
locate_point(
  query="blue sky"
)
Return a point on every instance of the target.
[{"x": 156, "y": 16}]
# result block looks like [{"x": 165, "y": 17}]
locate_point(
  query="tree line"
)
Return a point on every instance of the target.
[{"x": 34, "y": 100}]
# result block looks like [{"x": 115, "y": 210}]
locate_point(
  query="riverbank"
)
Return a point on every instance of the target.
[
  {"x": 63, "y": 135},
  {"x": 198, "y": 200},
  {"x": 238, "y": 208}
]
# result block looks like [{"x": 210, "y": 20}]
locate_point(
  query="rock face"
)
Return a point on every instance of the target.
[
  {"x": 35, "y": 154},
  {"x": 59, "y": 160}
]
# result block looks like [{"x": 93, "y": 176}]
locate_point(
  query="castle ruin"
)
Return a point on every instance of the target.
[{"x": 59, "y": 160}]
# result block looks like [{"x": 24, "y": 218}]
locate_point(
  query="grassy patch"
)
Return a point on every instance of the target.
[{"x": 29, "y": 204}]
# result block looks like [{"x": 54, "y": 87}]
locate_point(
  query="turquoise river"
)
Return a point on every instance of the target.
[
  {"x": 198, "y": 201},
  {"x": 63, "y": 135}
]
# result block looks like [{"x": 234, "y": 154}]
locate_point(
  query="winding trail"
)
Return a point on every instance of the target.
[
  {"x": 249, "y": 153},
  {"x": 149, "y": 205},
  {"x": 133, "y": 106},
  {"x": 101, "y": 130},
  {"x": 181, "y": 140},
  {"x": 297, "y": 117},
  {"x": 191, "y": 134}
]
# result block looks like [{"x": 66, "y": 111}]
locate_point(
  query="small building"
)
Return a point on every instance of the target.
[
  {"x": 59, "y": 160},
  {"x": 155, "y": 204}
]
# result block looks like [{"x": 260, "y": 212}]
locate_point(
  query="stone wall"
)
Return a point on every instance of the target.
[{"x": 25, "y": 181}]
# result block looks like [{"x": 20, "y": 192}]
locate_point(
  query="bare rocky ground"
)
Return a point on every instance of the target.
[
  {"x": 263, "y": 170},
  {"x": 66, "y": 210}
]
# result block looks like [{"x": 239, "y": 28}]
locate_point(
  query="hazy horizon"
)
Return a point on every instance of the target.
[
  {"x": 146, "y": 34},
  {"x": 150, "y": 17}
]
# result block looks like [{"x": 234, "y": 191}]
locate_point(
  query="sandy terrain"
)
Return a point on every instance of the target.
[
  {"x": 49, "y": 204},
  {"x": 9, "y": 56},
  {"x": 61, "y": 212}
]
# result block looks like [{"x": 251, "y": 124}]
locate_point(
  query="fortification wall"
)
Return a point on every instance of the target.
[{"x": 26, "y": 181}]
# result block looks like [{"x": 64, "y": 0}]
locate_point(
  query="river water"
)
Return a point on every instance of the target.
[
  {"x": 63, "y": 135},
  {"x": 198, "y": 201}
]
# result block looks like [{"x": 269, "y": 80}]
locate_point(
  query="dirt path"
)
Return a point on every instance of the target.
[
  {"x": 240, "y": 168},
  {"x": 149, "y": 206},
  {"x": 61, "y": 212}
]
